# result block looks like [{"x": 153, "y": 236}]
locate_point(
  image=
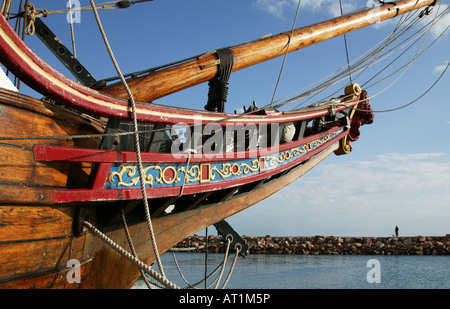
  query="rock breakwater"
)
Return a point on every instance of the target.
[{"x": 414, "y": 245}]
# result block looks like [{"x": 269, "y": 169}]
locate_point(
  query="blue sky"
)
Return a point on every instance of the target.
[{"x": 399, "y": 170}]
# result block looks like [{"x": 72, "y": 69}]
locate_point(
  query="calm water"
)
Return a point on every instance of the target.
[{"x": 314, "y": 271}]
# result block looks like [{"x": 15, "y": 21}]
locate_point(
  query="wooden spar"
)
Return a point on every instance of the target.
[{"x": 170, "y": 80}]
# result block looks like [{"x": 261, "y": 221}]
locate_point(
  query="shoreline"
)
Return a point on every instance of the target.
[{"x": 331, "y": 245}]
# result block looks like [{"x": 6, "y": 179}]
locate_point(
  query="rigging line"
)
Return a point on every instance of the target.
[
  {"x": 206, "y": 256},
  {"x": 332, "y": 74},
  {"x": 406, "y": 28},
  {"x": 6, "y": 7},
  {"x": 138, "y": 151},
  {"x": 326, "y": 85},
  {"x": 377, "y": 59},
  {"x": 7, "y": 138},
  {"x": 393, "y": 39},
  {"x": 224, "y": 262},
  {"x": 180, "y": 272},
  {"x": 386, "y": 40},
  {"x": 413, "y": 101},
  {"x": 355, "y": 68},
  {"x": 375, "y": 55},
  {"x": 129, "y": 256},
  {"x": 287, "y": 51},
  {"x": 431, "y": 44},
  {"x": 423, "y": 94},
  {"x": 411, "y": 44},
  {"x": 346, "y": 48},
  {"x": 410, "y": 63},
  {"x": 231, "y": 268},
  {"x": 400, "y": 68},
  {"x": 429, "y": 89},
  {"x": 130, "y": 243},
  {"x": 194, "y": 286}
]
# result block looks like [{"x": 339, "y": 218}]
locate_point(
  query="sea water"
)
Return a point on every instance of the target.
[{"x": 310, "y": 271}]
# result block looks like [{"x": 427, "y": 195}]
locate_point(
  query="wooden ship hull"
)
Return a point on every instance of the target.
[
  {"x": 53, "y": 189},
  {"x": 38, "y": 233}
]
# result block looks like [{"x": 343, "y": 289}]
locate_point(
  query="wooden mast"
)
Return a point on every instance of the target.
[{"x": 170, "y": 80}]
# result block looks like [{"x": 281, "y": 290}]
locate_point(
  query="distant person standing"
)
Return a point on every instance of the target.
[{"x": 396, "y": 231}]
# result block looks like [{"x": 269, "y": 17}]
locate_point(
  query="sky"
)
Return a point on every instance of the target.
[{"x": 399, "y": 170}]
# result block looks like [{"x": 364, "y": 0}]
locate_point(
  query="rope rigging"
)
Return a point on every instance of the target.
[
  {"x": 287, "y": 51},
  {"x": 376, "y": 55},
  {"x": 346, "y": 47}
]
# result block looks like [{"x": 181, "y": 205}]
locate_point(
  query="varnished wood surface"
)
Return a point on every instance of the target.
[
  {"x": 23, "y": 179},
  {"x": 36, "y": 238}
]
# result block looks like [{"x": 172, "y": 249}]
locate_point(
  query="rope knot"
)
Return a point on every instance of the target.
[{"x": 31, "y": 13}]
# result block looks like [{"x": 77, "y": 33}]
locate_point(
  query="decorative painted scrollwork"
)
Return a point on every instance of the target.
[{"x": 157, "y": 175}]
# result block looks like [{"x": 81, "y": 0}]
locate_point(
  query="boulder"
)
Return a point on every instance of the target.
[{"x": 407, "y": 242}]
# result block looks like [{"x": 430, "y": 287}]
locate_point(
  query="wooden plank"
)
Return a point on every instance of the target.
[
  {"x": 47, "y": 279},
  {"x": 22, "y": 258},
  {"x": 53, "y": 111},
  {"x": 19, "y": 122},
  {"x": 25, "y": 223},
  {"x": 22, "y": 179},
  {"x": 17, "y": 165},
  {"x": 25, "y": 194}
]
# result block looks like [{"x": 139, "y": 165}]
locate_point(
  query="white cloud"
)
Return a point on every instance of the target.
[
  {"x": 275, "y": 8},
  {"x": 443, "y": 23},
  {"x": 440, "y": 68},
  {"x": 281, "y": 8}
]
